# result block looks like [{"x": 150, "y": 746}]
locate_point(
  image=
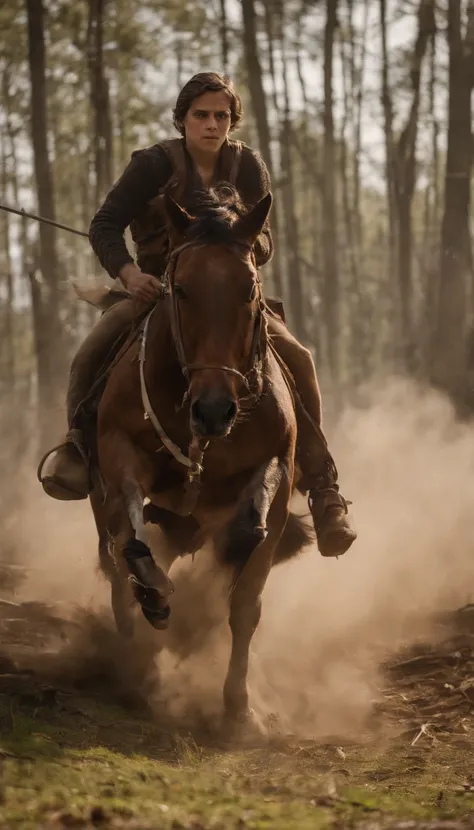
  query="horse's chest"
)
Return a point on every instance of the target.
[
  {"x": 227, "y": 462},
  {"x": 223, "y": 459}
]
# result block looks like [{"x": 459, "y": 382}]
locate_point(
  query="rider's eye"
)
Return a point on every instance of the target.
[{"x": 180, "y": 292}]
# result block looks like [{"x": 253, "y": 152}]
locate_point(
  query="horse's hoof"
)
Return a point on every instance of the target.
[
  {"x": 144, "y": 570},
  {"x": 149, "y": 598},
  {"x": 244, "y": 728},
  {"x": 158, "y": 619}
]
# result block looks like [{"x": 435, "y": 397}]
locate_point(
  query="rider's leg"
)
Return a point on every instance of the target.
[
  {"x": 66, "y": 475},
  {"x": 328, "y": 507}
]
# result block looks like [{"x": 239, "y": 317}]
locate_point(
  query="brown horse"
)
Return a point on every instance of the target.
[{"x": 198, "y": 418}]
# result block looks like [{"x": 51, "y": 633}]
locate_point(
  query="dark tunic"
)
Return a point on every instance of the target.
[{"x": 148, "y": 173}]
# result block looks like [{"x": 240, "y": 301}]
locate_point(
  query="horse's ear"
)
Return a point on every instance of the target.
[
  {"x": 248, "y": 227},
  {"x": 178, "y": 217}
]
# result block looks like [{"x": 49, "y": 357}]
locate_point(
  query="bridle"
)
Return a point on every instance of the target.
[
  {"x": 253, "y": 377},
  {"x": 257, "y": 348}
]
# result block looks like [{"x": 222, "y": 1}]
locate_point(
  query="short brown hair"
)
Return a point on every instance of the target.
[{"x": 198, "y": 85}]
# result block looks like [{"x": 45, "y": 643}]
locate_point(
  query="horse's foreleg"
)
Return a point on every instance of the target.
[
  {"x": 271, "y": 498},
  {"x": 150, "y": 585},
  {"x": 115, "y": 572},
  {"x": 123, "y": 469}
]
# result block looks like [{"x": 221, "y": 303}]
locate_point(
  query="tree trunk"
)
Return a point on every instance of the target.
[
  {"x": 278, "y": 207},
  {"x": 332, "y": 300},
  {"x": 347, "y": 72},
  {"x": 431, "y": 225},
  {"x": 389, "y": 176},
  {"x": 7, "y": 366},
  {"x": 449, "y": 357},
  {"x": 308, "y": 207},
  {"x": 100, "y": 102},
  {"x": 47, "y": 306},
  {"x": 259, "y": 107},
  {"x": 355, "y": 300},
  {"x": 289, "y": 202},
  {"x": 224, "y": 33},
  {"x": 358, "y": 84},
  {"x": 405, "y": 177}
]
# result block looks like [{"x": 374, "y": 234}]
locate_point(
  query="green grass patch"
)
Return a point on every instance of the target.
[{"x": 82, "y": 763}]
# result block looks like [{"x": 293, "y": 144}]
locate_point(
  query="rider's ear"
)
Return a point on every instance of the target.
[
  {"x": 178, "y": 217},
  {"x": 248, "y": 228}
]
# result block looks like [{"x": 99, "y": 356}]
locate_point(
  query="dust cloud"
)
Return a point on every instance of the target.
[{"x": 327, "y": 625}]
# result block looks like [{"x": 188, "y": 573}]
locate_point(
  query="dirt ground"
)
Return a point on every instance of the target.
[{"x": 78, "y": 748}]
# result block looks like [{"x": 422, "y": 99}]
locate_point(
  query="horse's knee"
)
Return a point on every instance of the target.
[{"x": 243, "y": 535}]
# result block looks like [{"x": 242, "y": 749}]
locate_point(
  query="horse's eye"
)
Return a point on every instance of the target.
[
  {"x": 252, "y": 294},
  {"x": 180, "y": 292}
]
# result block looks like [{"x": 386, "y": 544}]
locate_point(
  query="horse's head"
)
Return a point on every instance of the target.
[{"x": 216, "y": 303}]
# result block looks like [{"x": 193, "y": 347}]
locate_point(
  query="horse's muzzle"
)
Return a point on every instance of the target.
[{"x": 213, "y": 415}]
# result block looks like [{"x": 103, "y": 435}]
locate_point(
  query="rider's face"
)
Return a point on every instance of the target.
[{"x": 207, "y": 121}]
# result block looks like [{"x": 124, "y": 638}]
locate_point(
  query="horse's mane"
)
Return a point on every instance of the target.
[{"x": 214, "y": 212}]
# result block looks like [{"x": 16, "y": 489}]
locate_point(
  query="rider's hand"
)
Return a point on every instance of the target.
[{"x": 144, "y": 287}]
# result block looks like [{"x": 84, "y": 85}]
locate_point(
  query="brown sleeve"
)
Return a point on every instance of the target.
[
  {"x": 253, "y": 183},
  {"x": 147, "y": 172}
]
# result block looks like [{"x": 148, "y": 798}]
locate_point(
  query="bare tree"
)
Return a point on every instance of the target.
[
  {"x": 431, "y": 221},
  {"x": 289, "y": 198},
  {"x": 224, "y": 33},
  {"x": 100, "y": 100},
  {"x": 449, "y": 347},
  {"x": 389, "y": 148},
  {"x": 332, "y": 299},
  {"x": 259, "y": 107},
  {"x": 46, "y": 309},
  {"x": 7, "y": 365},
  {"x": 405, "y": 178},
  {"x": 357, "y": 84}
]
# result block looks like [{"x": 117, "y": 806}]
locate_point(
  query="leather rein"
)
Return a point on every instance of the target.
[{"x": 197, "y": 446}]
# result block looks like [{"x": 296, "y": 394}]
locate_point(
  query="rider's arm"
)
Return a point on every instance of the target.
[
  {"x": 253, "y": 183},
  {"x": 147, "y": 172}
]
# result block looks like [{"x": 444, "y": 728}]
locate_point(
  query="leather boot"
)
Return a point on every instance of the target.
[
  {"x": 334, "y": 533},
  {"x": 67, "y": 472}
]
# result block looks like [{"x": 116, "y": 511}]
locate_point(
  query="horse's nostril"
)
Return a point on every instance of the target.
[
  {"x": 195, "y": 409},
  {"x": 213, "y": 415},
  {"x": 231, "y": 411}
]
